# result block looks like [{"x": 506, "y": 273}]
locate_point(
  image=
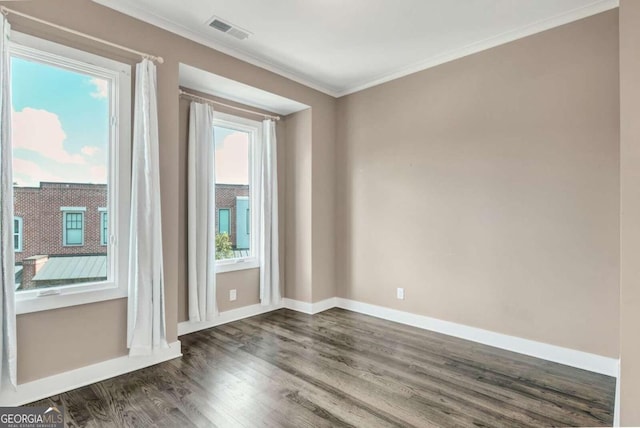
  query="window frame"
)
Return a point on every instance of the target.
[
  {"x": 118, "y": 75},
  {"x": 72, "y": 210},
  {"x": 18, "y": 232},
  {"x": 254, "y": 129}
]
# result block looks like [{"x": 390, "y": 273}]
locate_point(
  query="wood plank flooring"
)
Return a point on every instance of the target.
[{"x": 338, "y": 369}]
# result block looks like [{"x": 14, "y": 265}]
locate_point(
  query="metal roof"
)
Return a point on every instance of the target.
[
  {"x": 76, "y": 267},
  {"x": 18, "y": 275},
  {"x": 241, "y": 254}
]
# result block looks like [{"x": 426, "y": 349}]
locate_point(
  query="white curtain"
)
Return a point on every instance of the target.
[
  {"x": 7, "y": 278},
  {"x": 202, "y": 214},
  {"x": 268, "y": 199},
  {"x": 146, "y": 321}
]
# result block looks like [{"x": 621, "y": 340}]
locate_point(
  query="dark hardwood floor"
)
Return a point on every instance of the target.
[{"x": 340, "y": 368}]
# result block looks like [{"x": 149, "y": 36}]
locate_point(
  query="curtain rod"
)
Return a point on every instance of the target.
[
  {"x": 208, "y": 101},
  {"x": 5, "y": 11}
]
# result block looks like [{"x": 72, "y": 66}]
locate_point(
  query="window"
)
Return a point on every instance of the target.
[
  {"x": 73, "y": 227},
  {"x": 71, "y": 133},
  {"x": 104, "y": 227},
  {"x": 17, "y": 234},
  {"x": 236, "y": 140},
  {"x": 223, "y": 221}
]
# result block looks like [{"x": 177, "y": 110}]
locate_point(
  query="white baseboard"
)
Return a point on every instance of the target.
[
  {"x": 310, "y": 308},
  {"x": 570, "y": 357},
  {"x": 225, "y": 317},
  {"x": 62, "y": 382}
]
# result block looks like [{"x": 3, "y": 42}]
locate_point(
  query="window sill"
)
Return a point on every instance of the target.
[
  {"x": 26, "y": 305},
  {"x": 238, "y": 264}
]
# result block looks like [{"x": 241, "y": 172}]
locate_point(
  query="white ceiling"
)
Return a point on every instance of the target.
[{"x": 341, "y": 46}]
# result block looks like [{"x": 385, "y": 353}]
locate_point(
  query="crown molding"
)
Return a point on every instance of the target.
[
  {"x": 593, "y": 8},
  {"x": 127, "y": 8}
]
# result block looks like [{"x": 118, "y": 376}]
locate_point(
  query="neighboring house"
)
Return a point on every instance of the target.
[
  {"x": 58, "y": 219},
  {"x": 61, "y": 233},
  {"x": 232, "y": 218}
]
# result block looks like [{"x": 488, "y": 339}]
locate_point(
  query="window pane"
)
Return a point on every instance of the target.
[
  {"x": 61, "y": 136},
  {"x": 233, "y": 150},
  {"x": 223, "y": 221},
  {"x": 73, "y": 229},
  {"x": 104, "y": 228},
  {"x": 17, "y": 234},
  {"x": 74, "y": 237}
]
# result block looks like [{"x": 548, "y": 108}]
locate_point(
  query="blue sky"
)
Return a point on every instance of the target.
[{"x": 60, "y": 124}]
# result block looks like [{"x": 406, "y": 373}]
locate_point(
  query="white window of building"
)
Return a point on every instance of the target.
[
  {"x": 17, "y": 234},
  {"x": 73, "y": 226},
  {"x": 236, "y": 141},
  {"x": 71, "y": 146},
  {"x": 104, "y": 226}
]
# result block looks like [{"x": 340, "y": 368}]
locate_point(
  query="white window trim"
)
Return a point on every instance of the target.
[
  {"x": 119, "y": 178},
  {"x": 232, "y": 265},
  {"x": 254, "y": 128},
  {"x": 19, "y": 232},
  {"x": 64, "y": 227},
  {"x": 74, "y": 209}
]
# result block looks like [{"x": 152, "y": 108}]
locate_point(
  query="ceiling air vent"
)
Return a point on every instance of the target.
[{"x": 227, "y": 28}]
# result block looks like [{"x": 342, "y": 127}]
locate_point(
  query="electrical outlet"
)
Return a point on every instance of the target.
[
  {"x": 400, "y": 294},
  {"x": 232, "y": 295}
]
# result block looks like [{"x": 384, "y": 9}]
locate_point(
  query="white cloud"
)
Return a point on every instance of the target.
[
  {"x": 39, "y": 136},
  {"x": 98, "y": 174},
  {"x": 89, "y": 150},
  {"x": 232, "y": 159},
  {"x": 101, "y": 88},
  {"x": 28, "y": 173},
  {"x": 31, "y": 173},
  {"x": 41, "y": 131}
]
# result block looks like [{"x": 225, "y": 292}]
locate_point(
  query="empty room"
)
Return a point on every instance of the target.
[{"x": 319, "y": 213}]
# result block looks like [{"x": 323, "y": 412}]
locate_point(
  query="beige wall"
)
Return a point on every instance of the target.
[
  {"x": 89, "y": 17},
  {"x": 298, "y": 254},
  {"x": 323, "y": 204},
  {"x": 68, "y": 338},
  {"x": 488, "y": 188},
  {"x": 630, "y": 212}
]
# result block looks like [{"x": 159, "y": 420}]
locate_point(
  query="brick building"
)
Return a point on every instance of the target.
[
  {"x": 44, "y": 213},
  {"x": 58, "y": 226},
  {"x": 232, "y": 197},
  {"x": 61, "y": 236}
]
